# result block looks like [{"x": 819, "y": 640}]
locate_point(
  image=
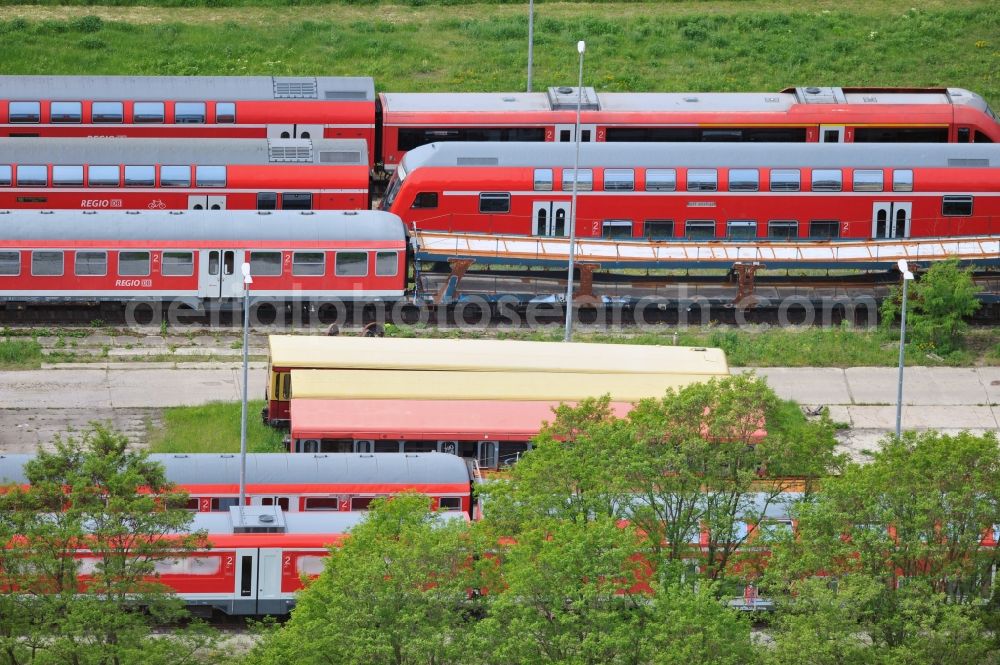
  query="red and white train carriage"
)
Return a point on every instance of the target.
[
  {"x": 195, "y": 174},
  {"x": 703, "y": 192},
  {"x": 194, "y": 257}
]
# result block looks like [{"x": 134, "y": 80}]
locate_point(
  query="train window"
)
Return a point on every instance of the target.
[
  {"x": 46, "y": 263},
  {"x": 91, "y": 263},
  {"x": 699, "y": 229},
  {"x": 246, "y": 575},
  {"x": 305, "y": 264},
  {"x": 267, "y": 201},
  {"x": 826, "y": 180},
  {"x": 189, "y": 113},
  {"x": 425, "y": 200},
  {"x": 657, "y": 229},
  {"x": 321, "y": 503},
  {"x": 175, "y": 176},
  {"x": 210, "y": 176},
  {"x": 133, "y": 264},
  {"x": 387, "y": 447},
  {"x": 140, "y": 176},
  {"x": 868, "y": 180},
  {"x": 616, "y": 228},
  {"x": 494, "y": 202},
  {"x": 902, "y": 180},
  {"x": 25, "y": 112},
  {"x": 420, "y": 446},
  {"x": 103, "y": 176},
  {"x": 203, "y": 565},
  {"x": 266, "y": 264},
  {"x": 5, "y": 175},
  {"x": 824, "y": 229},
  {"x": 901, "y": 135},
  {"x": 963, "y": 134},
  {"x": 661, "y": 180},
  {"x": 192, "y": 504},
  {"x": 351, "y": 264},
  {"x": 956, "y": 206},
  {"x": 619, "y": 180},
  {"x": 983, "y": 138},
  {"x": 66, "y": 112},
  {"x": 10, "y": 263},
  {"x": 296, "y": 201},
  {"x": 744, "y": 180},
  {"x": 280, "y": 501},
  {"x": 784, "y": 180},
  {"x": 177, "y": 264},
  {"x": 223, "y": 504},
  {"x": 584, "y": 184},
  {"x": 225, "y": 112},
  {"x": 741, "y": 229},
  {"x": 147, "y": 112},
  {"x": 67, "y": 175},
  {"x": 543, "y": 180},
  {"x": 310, "y": 565},
  {"x": 107, "y": 112},
  {"x": 32, "y": 175},
  {"x": 386, "y": 264},
  {"x": 779, "y": 229},
  {"x": 702, "y": 180},
  {"x": 361, "y": 502},
  {"x": 450, "y": 503}
]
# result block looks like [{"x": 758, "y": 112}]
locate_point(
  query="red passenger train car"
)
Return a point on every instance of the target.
[
  {"x": 308, "y": 107},
  {"x": 197, "y": 174},
  {"x": 685, "y": 191},
  {"x": 194, "y": 257}
]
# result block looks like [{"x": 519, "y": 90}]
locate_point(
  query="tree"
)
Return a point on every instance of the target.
[
  {"x": 98, "y": 509},
  {"x": 396, "y": 592},
  {"x": 937, "y": 305}
]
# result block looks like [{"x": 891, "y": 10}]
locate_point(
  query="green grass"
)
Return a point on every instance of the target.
[
  {"x": 661, "y": 46},
  {"x": 20, "y": 354},
  {"x": 214, "y": 428}
]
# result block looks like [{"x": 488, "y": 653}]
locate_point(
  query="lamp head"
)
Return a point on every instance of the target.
[
  {"x": 902, "y": 265},
  {"x": 581, "y": 46},
  {"x": 245, "y": 269}
]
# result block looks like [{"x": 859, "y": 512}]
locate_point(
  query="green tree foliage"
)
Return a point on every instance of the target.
[
  {"x": 937, "y": 305},
  {"x": 94, "y": 508},
  {"x": 397, "y": 592}
]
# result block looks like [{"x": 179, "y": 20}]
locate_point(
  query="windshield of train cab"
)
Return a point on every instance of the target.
[{"x": 393, "y": 189}]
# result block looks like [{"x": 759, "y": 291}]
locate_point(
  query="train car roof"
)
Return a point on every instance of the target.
[
  {"x": 396, "y": 353},
  {"x": 188, "y": 88},
  {"x": 247, "y": 520},
  {"x": 343, "y": 152},
  {"x": 702, "y": 155},
  {"x": 450, "y": 385},
  {"x": 423, "y": 419},
  {"x": 235, "y": 226}
]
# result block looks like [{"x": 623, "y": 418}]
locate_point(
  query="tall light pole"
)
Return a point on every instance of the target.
[
  {"x": 907, "y": 276},
  {"x": 581, "y": 46},
  {"x": 247, "y": 281},
  {"x": 531, "y": 40}
]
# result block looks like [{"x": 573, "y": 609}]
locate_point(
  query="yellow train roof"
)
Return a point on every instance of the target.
[
  {"x": 448, "y": 385},
  {"x": 481, "y": 355}
]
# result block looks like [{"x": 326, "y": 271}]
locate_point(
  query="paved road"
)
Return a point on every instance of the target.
[{"x": 35, "y": 405}]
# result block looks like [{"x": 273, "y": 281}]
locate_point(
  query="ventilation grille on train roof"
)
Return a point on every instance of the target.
[
  {"x": 289, "y": 151},
  {"x": 478, "y": 161},
  {"x": 968, "y": 162},
  {"x": 295, "y": 88},
  {"x": 340, "y": 157},
  {"x": 566, "y": 97},
  {"x": 813, "y": 95},
  {"x": 346, "y": 95}
]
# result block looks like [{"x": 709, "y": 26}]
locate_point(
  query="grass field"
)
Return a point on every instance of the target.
[
  {"x": 214, "y": 428},
  {"x": 685, "y": 45}
]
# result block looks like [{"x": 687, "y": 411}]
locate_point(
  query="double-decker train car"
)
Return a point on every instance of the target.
[
  {"x": 685, "y": 191},
  {"x": 307, "y": 107},
  {"x": 194, "y": 257},
  {"x": 196, "y": 174},
  {"x": 302, "y": 483}
]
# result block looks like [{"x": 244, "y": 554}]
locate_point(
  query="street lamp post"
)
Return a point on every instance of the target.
[
  {"x": 247, "y": 281},
  {"x": 581, "y": 46},
  {"x": 907, "y": 276},
  {"x": 531, "y": 40}
]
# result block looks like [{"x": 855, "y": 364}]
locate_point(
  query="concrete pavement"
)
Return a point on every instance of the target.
[{"x": 37, "y": 404}]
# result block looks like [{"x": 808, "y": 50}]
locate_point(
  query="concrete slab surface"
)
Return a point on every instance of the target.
[
  {"x": 807, "y": 385},
  {"x": 921, "y": 385}
]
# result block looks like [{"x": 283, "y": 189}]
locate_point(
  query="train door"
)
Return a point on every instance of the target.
[
  {"x": 550, "y": 218},
  {"x": 245, "y": 592},
  {"x": 206, "y": 203},
  {"x": 295, "y": 131},
  {"x": 488, "y": 454},
  {"x": 220, "y": 275},
  {"x": 891, "y": 220},
  {"x": 567, "y": 133},
  {"x": 831, "y": 133},
  {"x": 269, "y": 581}
]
